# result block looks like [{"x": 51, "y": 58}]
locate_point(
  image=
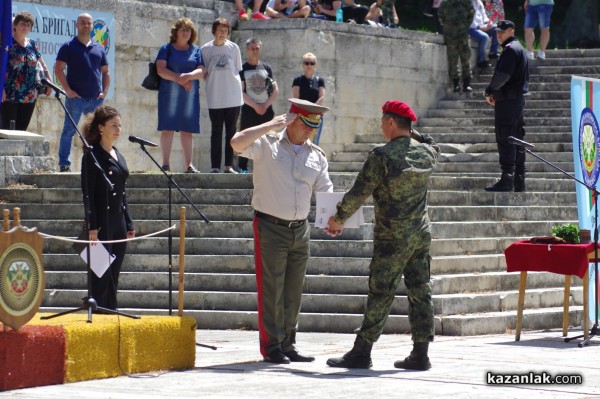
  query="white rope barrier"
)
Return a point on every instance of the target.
[{"x": 61, "y": 238}]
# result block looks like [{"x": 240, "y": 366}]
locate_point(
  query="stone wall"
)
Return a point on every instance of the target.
[{"x": 362, "y": 66}]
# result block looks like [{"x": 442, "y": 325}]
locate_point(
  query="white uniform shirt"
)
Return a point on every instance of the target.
[{"x": 284, "y": 180}]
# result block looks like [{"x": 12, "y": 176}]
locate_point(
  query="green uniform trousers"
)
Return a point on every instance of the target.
[
  {"x": 281, "y": 254},
  {"x": 392, "y": 259}
]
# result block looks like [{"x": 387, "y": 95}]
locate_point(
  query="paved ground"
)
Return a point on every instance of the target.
[{"x": 459, "y": 370}]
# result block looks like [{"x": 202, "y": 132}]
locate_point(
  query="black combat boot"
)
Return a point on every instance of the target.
[
  {"x": 358, "y": 358},
  {"x": 505, "y": 183},
  {"x": 467, "y": 86},
  {"x": 519, "y": 183},
  {"x": 456, "y": 85},
  {"x": 417, "y": 360}
]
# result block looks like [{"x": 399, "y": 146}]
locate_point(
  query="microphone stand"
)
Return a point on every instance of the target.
[
  {"x": 171, "y": 183},
  {"x": 594, "y": 330},
  {"x": 89, "y": 303}
]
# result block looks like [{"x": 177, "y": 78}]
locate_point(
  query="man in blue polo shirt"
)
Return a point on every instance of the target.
[{"x": 86, "y": 81}]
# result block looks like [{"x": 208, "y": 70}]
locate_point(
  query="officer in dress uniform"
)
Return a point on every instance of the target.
[
  {"x": 288, "y": 168},
  {"x": 506, "y": 94},
  {"x": 397, "y": 176}
]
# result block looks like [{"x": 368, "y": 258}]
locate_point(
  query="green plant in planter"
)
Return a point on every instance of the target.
[{"x": 568, "y": 232}]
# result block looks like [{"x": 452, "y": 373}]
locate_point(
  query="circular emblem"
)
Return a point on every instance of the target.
[
  {"x": 21, "y": 284},
  {"x": 589, "y": 145},
  {"x": 100, "y": 34}
]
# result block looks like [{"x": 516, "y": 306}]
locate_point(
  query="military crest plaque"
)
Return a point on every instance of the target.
[{"x": 22, "y": 279}]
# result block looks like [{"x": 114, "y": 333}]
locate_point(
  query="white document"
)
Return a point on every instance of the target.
[
  {"x": 326, "y": 207},
  {"x": 99, "y": 257}
]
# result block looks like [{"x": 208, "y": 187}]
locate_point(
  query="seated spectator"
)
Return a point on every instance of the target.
[
  {"x": 352, "y": 13},
  {"x": 389, "y": 17},
  {"x": 481, "y": 30},
  {"x": 375, "y": 16},
  {"x": 288, "y": 9},
  {"x": 258, "y": 8}
]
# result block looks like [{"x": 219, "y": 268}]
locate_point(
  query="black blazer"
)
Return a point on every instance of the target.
[{"x": 108, "y": 209}]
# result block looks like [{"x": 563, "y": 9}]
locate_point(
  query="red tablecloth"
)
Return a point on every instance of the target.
[{"x": 568, "y": 259}]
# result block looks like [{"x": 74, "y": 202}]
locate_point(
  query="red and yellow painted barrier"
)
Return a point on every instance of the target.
[{"x": 68, "y": 349}]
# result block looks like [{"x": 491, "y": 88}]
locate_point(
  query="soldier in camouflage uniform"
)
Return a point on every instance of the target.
[
  {"x": 456, "y": 17},
  {"x": 397, "y": 176}
]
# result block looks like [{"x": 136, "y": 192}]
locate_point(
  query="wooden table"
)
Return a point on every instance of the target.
[{"x": 567, "y": 259}]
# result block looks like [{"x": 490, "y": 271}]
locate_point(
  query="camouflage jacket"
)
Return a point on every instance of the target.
[
  {"x": 456, "y": 17},
  {"x": 397, "y": 175}
]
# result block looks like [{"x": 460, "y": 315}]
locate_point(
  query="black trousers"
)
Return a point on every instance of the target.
[
  {"x": 19, "y": 112},
  {"x": 508, "y": 121},
  {"x": 104, "y": 289},
  {"x": 218, "y": 117}
]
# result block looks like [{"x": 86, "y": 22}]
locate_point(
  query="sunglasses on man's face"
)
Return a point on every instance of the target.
[{"x": 310, "y": 63}]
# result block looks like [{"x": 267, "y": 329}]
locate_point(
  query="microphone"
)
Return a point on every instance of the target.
[
  {"x": 57, "y": 89},
  {"x": 141, "y": 141},
  {"x": 520, "y": 143}
]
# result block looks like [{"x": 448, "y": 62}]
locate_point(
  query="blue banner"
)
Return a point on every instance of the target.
[{"x": 585, "y": 110}]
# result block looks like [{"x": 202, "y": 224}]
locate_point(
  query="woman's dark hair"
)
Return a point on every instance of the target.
[
  {"x": 93, "y": 120},
  {"x": 184, "y": 23},
  {"x": 23, "y": 17},
  {"x": 221, "y": 22}
]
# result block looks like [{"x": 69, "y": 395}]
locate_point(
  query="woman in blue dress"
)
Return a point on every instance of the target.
[{"x": 179, "y": 64}]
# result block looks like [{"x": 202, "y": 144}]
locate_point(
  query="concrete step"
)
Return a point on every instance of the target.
[
  {"x": 474, "y": 183},
  {"x": 23, "y": 148},
  {"x": 466, "y": 166},
  {"x": 459, "y": 134},
  {"x": 455, "y": 167},
  {"x": 539, "y": 87},
  {"x": 244, "y": 264},
  {"x": 487, "y": 153},
  {"x": 457, "y": 146},
  {"x": 489, "y": 121},
  {"x": 564, "y": 94},
  {"x": 442, "y": 284},
  {"x": 501, "y": 322},
  {"x": 478, "y": 104},
  {"x": 481, "y": 197},
  {"x": 201, "y": 181},
  {"x": 573, "y": 53},
  {"x": 340, "y": 247},
  {"x": 489, "y": 113},
  {"x": 444, "y": 305}
]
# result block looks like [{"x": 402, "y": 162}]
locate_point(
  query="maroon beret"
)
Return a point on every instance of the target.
[{"x": 399, "y": 108}]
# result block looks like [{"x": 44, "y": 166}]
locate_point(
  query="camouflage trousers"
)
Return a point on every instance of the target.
[
  {"x": 391, "y": 260},
  {"x": 459, "y": 49}
]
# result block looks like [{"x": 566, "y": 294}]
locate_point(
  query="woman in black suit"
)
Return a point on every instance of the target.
[{"x": 108, "y": 210}]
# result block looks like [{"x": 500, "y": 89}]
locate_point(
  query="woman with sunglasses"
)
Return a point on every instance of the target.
[{"x": 310, "y": 87}]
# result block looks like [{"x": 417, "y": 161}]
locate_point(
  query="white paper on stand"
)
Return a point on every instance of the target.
[
  {"x": 99, "y": 257},
  {"x": 326, "y": 207}
]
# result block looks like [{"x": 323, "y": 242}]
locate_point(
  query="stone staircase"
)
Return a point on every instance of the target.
[{"x": 473, "y": 294}]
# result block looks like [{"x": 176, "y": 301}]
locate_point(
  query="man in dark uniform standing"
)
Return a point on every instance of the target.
[
  {"x": 397, "y": 176},
  {"x": 506, "y": 94},
  {"x": 288, "y": 168}
]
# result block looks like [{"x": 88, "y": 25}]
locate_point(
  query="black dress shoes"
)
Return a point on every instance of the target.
[
  {"x": 295, "y": 356},
  {"x": 277, "y": 357}
]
